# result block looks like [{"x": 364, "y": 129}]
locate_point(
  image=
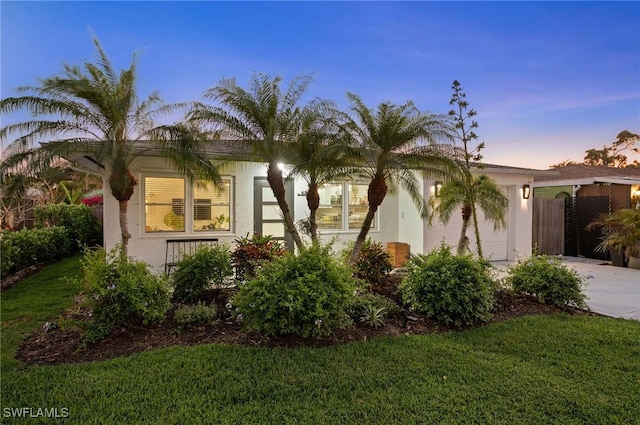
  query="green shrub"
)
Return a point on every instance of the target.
[
  {"x": 122, "y": 292},
  {"x": 84, "y": 227},
  {"x": 373, "y": 263},
  {"x": 208, "y": 265},
  {"x": 252, "y": 252},
  {"x": 194, "y": 316},
  {"x": 27, "y": 247},
  {"x": 302, "y": 295},
  {"x": 452, "y": 290},
  {"x": 362, "y": 305},
  {"x": 548, "y": 279}
]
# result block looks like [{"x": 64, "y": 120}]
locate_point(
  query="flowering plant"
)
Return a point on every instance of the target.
[{"x": 93, "y": 200}]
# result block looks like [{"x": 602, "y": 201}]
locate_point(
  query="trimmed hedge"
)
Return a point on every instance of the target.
[
  {"x": 27, "y": 247},
  {"x": 84, "y": 228}
]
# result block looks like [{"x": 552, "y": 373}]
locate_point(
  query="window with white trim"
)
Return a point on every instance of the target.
[
  {"x": 343, "y": 206},
  {"x": 172, "y": 205}
]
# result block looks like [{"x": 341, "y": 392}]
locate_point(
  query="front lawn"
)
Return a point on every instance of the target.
[{"x": 532, "y": 370}]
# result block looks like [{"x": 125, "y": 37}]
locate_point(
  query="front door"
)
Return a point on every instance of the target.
[{"x": 267, "y": 217}]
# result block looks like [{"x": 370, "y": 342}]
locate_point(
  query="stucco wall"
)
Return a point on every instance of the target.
[
  {"x": 150, "y": 247},
  {"x": 517, "y": 235},
  {"x": 397, "y": 219}
]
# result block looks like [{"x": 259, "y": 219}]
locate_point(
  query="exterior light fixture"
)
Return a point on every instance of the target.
[
  {"x": 438, "y": 188},
  {"x": 526, "y": 191}
]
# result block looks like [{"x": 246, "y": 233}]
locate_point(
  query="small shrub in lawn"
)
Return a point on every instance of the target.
[
  {"x": 452, "y": 290},
  {"x": 366, "y": 304},
  {"x": 252, "y": 252},
  {"x": 548, "y": 279},
  {"x": 121, "y": 292},
  {"x": 207, "y": 266},
  {"x": 373, "y": 263},
  {"x": 302, "y": 295},
  {"x": 194, "y": 316}
]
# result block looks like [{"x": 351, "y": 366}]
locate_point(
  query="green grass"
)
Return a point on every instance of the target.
[{"x": 533, "y": 370}]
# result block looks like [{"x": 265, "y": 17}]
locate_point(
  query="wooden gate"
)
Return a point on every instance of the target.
[
  {"x": 588, "y": 208},
  {"x": 549, "y": 225}
]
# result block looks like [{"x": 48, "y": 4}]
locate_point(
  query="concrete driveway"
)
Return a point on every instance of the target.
[{"x": 612, "y": 291}]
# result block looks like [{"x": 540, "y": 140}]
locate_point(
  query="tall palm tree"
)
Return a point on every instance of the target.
[
  {"x": 316, "y": 156},
  {"x": 388, "y": 146},
  {"x": 94, "y": 108},
  {"x": 463, "y": 188},
  {"x": 264, "y": 116}
]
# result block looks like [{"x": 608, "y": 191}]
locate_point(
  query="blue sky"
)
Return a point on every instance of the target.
[{"x": 548, "y": 79}]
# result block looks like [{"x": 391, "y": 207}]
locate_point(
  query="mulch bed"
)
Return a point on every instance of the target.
[{"x": 64, "y": 345}]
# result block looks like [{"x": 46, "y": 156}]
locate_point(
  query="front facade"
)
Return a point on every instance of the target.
[{"x": 164, "y": 206}]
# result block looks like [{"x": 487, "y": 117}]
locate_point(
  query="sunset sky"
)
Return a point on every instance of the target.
[{"x": 548, "y": 79}]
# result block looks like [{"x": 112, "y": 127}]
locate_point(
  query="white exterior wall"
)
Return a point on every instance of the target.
[
  {"x": 410, "y": 224},
  {"x": 397, "y": 219},
  {"x": 150, "y": 247},
  {"x": 518, "y": 220}
]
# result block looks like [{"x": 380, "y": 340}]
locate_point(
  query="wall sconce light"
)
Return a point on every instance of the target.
[
  {"x": 526, "y": 191},
  {"x": 438, "y": 188},
  {"x": 303, "y": 193}
]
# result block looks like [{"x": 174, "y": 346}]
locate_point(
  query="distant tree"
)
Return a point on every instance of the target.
[
  {"x": 614, "y": 155},
  {"x": 563, "y": 163},
  {"x": 95, "y": 108},
  {"x": 463, "y": 189}
]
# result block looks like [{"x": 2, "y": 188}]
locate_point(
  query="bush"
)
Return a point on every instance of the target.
[
  {"x": 373, "y": 263},
  {"x": 84, "y": 227},
  {"x": 302, "y": 295},
  {"x": 452, "y": 290},
  {"x": 548, "y": 279},
  {"x": 194, "y": 316},
  {"x": 122, "y": 292},
  {"x": 366, "y": 307},
  {"x": 208, "y": 265},
  {"x": 27, "y": 247},
  {"x": 252, "y": 252}
]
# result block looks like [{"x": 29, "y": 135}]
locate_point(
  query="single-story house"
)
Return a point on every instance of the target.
[{"x": 164, "y": 206}]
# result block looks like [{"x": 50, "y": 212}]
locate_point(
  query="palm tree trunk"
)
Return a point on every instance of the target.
[
  {"x": 362, "y": 236},
  {"x": 274, "y": 177},
  {"x": 124, "y": 227},
  {"x": 375, "y": 194},
  {"x": 313, "y": 202},
  {"x": 463, "y": 242},
  {"x": 477, "y": 230}
]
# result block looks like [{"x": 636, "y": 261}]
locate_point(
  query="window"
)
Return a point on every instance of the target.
[
  {"x": 212, "y": 206},
  {"x": 358, "y": 205},
  {"x": 343, "y": 206},
  {"x": 171, "y": 205}
]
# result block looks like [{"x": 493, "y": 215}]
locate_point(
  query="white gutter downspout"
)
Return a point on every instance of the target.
[{"x": 576, "y": 188}]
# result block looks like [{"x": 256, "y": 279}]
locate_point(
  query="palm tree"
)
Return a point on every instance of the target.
[
  {"x": 261, "y": 115},
  {"x": 316, "y": 156},
  {"x": 466, "y": 192},
  {"x": 93, "y": 108},
  {"x": 385, "y": 145},
  {"x": 462, "y": 189}
]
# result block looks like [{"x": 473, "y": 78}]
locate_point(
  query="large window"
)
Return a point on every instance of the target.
[
  {"x": 171, "y": 205},
  {"x": 343, "y": 206}
]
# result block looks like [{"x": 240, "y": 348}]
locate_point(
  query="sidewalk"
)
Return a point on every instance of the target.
[{"x": 612, "y": 291}]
